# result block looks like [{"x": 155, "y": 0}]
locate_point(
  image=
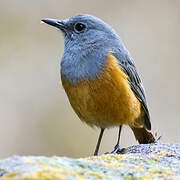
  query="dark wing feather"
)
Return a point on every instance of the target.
[{"x": 128, "y": 66}]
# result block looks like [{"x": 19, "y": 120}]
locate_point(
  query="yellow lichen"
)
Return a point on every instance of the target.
[
  {"x": 8, "y": 176},
  {"x": 159, "y": 171},
  {"x": 93, "y": 173},
  {"x": 130, "y": 177},
  {"x": 163, "y": 152},
  {"x": 45, "y": 174},
  {"x": 136, "y": 168},
  {"x": 109, "y": 157},
  {"x": 55, "y": 174}
]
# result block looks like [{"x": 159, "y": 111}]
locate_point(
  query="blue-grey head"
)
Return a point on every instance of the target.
[{"x": 87, "y": 41}]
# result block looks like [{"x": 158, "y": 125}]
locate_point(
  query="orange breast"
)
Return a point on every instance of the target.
[{"x": 105, "y": 101}]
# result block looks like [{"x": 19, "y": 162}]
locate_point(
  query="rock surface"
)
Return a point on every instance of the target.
[{"x": 152, "y": 161}]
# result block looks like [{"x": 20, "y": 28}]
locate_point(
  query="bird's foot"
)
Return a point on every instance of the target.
[{"x": 116, "y": 149}]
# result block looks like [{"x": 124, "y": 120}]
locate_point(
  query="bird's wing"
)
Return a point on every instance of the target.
[{"x": 128, "y": 66}]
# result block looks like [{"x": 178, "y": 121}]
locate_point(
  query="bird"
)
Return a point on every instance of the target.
[{"x": 100, "y": 78}]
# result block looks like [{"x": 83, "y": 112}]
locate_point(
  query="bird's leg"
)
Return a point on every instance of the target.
[
  {"x": 99, "y": 142},
  {"x": 117, "y": 147}
]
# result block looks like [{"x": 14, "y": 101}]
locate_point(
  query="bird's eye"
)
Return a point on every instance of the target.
[{"x": 79, "y": 27}]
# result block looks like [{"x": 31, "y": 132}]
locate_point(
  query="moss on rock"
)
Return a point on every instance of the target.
[{"x": 142, "y": 162}]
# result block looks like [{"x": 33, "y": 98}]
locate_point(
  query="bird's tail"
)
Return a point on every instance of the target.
[{"x": 143, "y": 136}]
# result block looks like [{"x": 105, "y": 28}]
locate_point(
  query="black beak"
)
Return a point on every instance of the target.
[{"x": 54, "y": 22}]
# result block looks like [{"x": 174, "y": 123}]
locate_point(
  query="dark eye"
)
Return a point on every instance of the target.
[{"x": 79, "y": 27}]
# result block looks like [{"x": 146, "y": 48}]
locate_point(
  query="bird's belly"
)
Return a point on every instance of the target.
[{"x": 106, "y": 100}]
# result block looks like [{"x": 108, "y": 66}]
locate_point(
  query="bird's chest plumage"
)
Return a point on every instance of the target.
[{"x": 107, "y": 100}]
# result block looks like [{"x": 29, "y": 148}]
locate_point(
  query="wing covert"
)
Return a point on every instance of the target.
[{"x": 128, "y": 66}]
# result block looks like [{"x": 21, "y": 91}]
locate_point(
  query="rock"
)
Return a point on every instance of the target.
[{"x": 150, "y": 161}]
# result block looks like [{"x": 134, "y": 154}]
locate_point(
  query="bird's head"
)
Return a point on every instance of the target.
[
  {"x": 85, "y": 30},
  {"x": 87, "y": 41}
]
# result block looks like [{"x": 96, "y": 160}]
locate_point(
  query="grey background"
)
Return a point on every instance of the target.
[{"x": 35, "y": 115}]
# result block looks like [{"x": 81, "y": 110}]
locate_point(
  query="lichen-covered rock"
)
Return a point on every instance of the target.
[{"x": 152, "y": 161}]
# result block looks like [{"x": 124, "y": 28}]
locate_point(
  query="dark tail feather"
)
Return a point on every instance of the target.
[{"x": 143, "y": 136}]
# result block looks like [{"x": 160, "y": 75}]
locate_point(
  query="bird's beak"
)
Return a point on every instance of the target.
[{"x": 54, "y": 22}]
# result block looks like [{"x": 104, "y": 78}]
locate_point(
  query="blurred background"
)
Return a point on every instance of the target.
[{"x": 35, "y": 115}]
